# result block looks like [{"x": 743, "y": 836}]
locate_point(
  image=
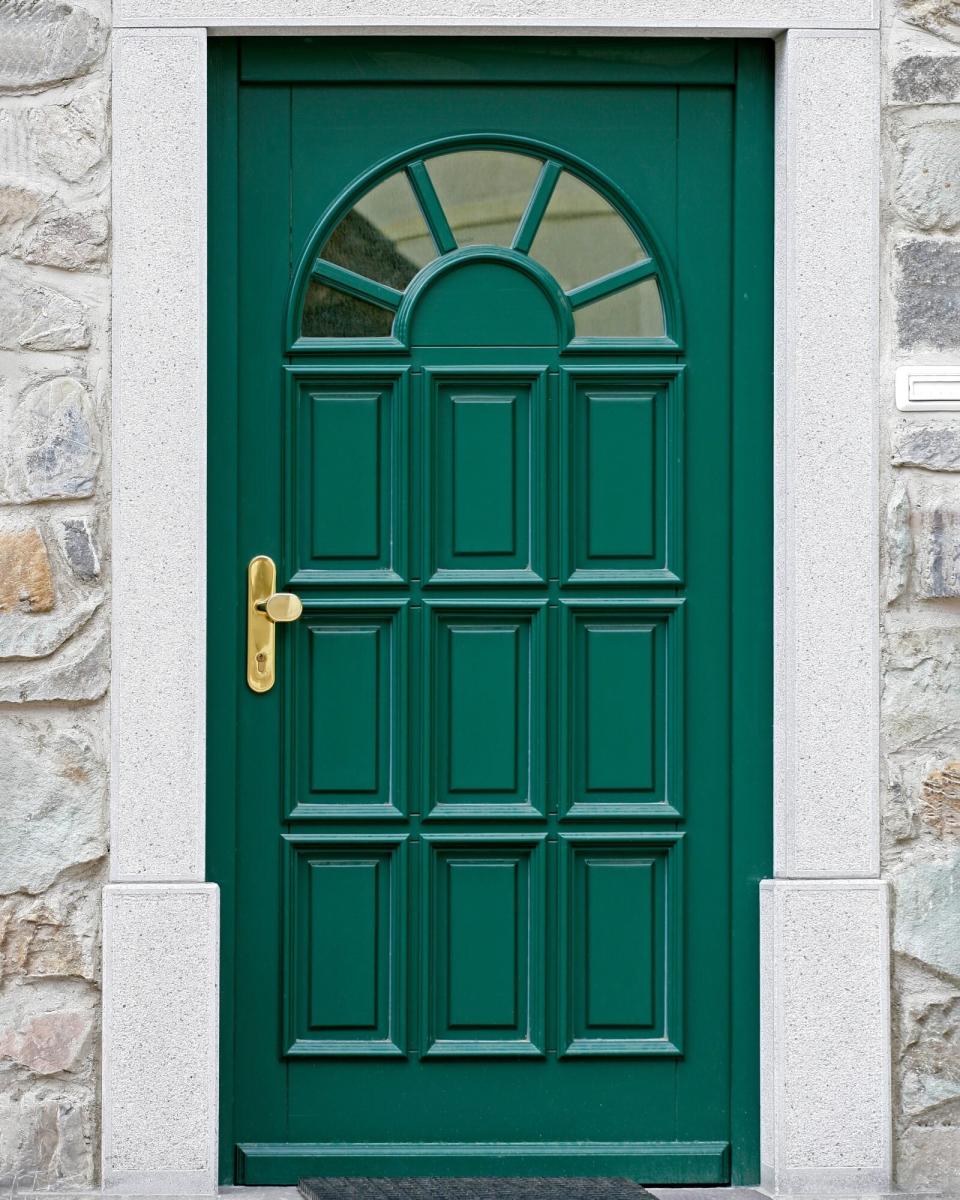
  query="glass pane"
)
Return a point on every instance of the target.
[
  {"x": 582, "y": 237},
  {"x": 483, "y": 193},
  {"x": 329, "y": 313},
  {"x": 634, "y": 312},
  {"x": 384, "y": 236}
]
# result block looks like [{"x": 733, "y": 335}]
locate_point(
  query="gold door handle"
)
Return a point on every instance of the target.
[{"x": 265, "y": 608}]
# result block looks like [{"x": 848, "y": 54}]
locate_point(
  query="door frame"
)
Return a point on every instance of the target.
[
  {"x": 751, "y": 632},
  {"x": 823, "y": 914}
]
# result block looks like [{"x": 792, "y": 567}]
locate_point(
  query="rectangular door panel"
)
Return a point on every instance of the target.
[
  {"x": 343, "y": 956},
  {"x": 484, "y": 464},
  {"x": 347, "y": 746},
  {"x": 621, "y": 946},
  {"x": 621, "y": 723},
  {"x": 483, "y": 930},
  {"x": 622, "y": 450},
  {"x": 347, "y": 483},
  {"x": 484, "y": 709}
]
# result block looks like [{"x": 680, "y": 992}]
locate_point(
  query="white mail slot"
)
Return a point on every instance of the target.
[{"x": 929, "y": 388}]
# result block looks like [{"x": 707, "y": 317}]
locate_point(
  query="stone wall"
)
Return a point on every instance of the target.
[
  {"x": 54, "y": 651},
  {"x": 54, "y": 572},
  {"x": 921, "y": 567}
]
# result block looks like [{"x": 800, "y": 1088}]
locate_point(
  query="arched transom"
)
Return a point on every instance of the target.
[{"x": 441, "y": 202}]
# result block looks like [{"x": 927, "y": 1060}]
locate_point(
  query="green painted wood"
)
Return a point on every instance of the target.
[
  {"x": 344, "y": 978},
  {"x": 487, "y": 885},
  {"x": 533, "y": 214},
  {"x": 355, "y": 284},
  {"x": 460, "y": 60},
  {"x": 222, "y": 471},
  {"x": 752, "y": 610},
  {"x": 264, "y": 1164},
  {"x": 430, "y": 206},
  {"x": 609, "y": 285}
]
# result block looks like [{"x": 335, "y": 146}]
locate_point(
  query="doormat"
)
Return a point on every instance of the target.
[{"x": 454, "y": 1188}]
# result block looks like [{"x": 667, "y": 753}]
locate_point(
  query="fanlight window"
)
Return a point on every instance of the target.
[{"x": 483, "y": 197}]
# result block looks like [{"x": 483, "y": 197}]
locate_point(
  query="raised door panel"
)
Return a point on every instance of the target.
[
  {"x": 484, "y": 488},
  {"x": 483, "y": 929},
  {"x": 346, "y": 483},
  {"x": 346, "y": 740},
  {"x": 622, "y": 451},
  {"x": 344, "y": 956},
  {"x": 621, "y": 951},
  {"x": 484, "y": 713},
  {"x": 621, "y": 708}
]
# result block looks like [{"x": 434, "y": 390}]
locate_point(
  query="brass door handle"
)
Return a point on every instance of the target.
[
  {"x": 265, "y": 608},
  {"x": 280, "y": 607}
]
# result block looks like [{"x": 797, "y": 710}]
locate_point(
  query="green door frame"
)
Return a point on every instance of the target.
[{"x": 751, "y": 696}]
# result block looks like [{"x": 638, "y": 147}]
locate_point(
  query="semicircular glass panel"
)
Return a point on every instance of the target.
[
  {"x": 437, "y": 205},
  {"x": 636, "y": 312},
  {"x": 483, "y": 193},
  {"x": 328, "y": 312},
  {"x": 582, "y": 236},
  {"x": 384, "y": 236}
]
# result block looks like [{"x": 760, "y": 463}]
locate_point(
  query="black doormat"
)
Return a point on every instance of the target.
[{"x": 454, "y": 1188}]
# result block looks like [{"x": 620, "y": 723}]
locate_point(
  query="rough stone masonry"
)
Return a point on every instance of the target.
[
  {"x": 54, "y": 582},
  {"x": 54, "y": 657},
  {"x": 921, "y": 565}
]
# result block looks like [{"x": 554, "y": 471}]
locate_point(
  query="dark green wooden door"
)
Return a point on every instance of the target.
[{"x": 491, "y": 345}]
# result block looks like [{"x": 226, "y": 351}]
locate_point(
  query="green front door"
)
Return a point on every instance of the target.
[{"x": 490, "y": 382}]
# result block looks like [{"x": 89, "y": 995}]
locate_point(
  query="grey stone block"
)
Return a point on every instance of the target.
[
  {"x": 925, "y": 891},
  {"x": 54, "y": 801},
  {"x": 933, "y": 447},
  {"x": 921, "y": 700},
  {"x": 927, "y": 79},
  {"x": 54, "y": 443},
  {"x": 898, "y": 543},
  {"x": 928, "y": 182},
  {"x": 928, "y": 294},
  {"x": 938, "y": 553},
  {"x": 79, "y": 546},
  {"x": 59, "y": 237},
  {"x": 36, "y": 317},
  {"x": 46, "y": 41},
  {"x": 81, "y": 671},
  {"x": 939, "y": 17}
]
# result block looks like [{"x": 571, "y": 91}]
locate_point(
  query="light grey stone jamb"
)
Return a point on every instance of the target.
[
  {"x": 160, "y": 1016},
  {"x": 829, "y": 936},
  {"x": 161, "y": 923},
  {"x": 828, "y": 327},
  {"x": 825, "y": 1028},
  {"x": 159, "y": 454},
  {"x": 825, "y": 1062}
]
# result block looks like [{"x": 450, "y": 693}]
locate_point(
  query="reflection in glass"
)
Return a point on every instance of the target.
[
  {"x": 384, "y": 236},
  {"x": 483, "y": 193},
  {"x": 581, "y": 236},
  {"x": 329, "y": 313},
  {"x": 634, "y": 312}
]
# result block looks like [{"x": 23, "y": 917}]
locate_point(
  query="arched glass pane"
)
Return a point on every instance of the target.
[
  {"x": 581, "y": 235},
  {"x": 635, "y": 312},
  {"x": 483, "y": 193},
  {"x": 330, "y": 313},
  {"x": 384, "y": 236}
]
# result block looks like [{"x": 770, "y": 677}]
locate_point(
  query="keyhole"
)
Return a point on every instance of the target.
[{"x": 261, "y": 662}]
